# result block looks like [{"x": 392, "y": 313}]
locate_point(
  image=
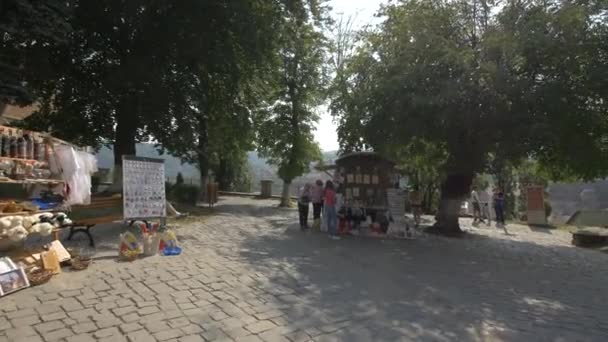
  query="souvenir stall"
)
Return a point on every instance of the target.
[
  {"x": 40, "y": 177},
  {"x": 364, "y": 182}
]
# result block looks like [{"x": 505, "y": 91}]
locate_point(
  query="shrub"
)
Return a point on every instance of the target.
[
  {"x": 185, "y": 193},
  {"x": 179, "y": 179},
  {"x": 169, "y": 190}
]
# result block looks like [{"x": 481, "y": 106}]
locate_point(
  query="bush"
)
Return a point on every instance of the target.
[
  {"x": 185, "y": 193},
  {"x": 179, "y": 180}
]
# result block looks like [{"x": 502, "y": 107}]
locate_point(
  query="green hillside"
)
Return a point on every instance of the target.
[{"x": 259, "y": 167}]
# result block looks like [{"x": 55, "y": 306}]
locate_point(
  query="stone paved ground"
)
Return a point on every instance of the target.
[{"x": 248, "y": 274}]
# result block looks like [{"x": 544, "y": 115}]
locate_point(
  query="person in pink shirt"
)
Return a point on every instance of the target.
[{"x": 329, "y": 205}]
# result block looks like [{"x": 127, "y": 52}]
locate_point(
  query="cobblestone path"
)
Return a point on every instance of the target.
[{"x": 248, "y": 274}]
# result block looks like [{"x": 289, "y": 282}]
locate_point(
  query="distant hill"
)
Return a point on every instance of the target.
[
  {"x": 565, "y": 198},
  {"x": 259, "y": 167},
  {"x": 173, "y": 165}
]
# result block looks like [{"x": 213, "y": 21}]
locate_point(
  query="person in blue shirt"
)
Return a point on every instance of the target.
[{"x": 499, "y": 207}]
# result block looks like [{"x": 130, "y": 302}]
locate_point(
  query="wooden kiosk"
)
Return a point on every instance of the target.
[{"x": 364, "y": 180}]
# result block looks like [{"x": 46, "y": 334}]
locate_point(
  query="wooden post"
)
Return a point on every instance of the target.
[{"x": 55, "y": 234}]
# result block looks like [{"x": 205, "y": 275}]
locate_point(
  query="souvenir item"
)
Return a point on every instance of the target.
[
  {"x": 12, "y": 281},
  {"x": 50, "y": 262},
  {"x": 6, "y": 264},
  {"x": 129, "y": 246},
  {"x": 168, "y": 244}
]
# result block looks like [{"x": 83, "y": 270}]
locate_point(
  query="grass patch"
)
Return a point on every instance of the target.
[{"x": 195, "y": 213}]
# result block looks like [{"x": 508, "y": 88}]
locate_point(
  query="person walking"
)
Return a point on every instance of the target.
[
  {"x": 415, "y": 198},
  {"x": 317, "y": 203},
  {"x": 303, "y": 204},
  {"x": 329, "y": 205},
  {"x": 499, "y": 207},
  {"x": 484, "y": 201},
  {"x": 476, "y": 207}
]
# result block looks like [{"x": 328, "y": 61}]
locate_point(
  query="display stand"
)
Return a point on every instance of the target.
[
  {"x": 25, "y": 160},
  {"x": 143, "y": 200},
  {"x": 143, "y": 189}
]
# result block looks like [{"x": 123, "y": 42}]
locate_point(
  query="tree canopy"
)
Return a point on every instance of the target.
[
  {"x": 300, "y": 79},
  {"x": 482, "y": 82},
  {"x": 29, "y": 29}
]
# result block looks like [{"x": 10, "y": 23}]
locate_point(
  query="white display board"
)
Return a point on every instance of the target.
[
  {"x": 396, "y": 204},
  {"x": 143, "y": 188}
]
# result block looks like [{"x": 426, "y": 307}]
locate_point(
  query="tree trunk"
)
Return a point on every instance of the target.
[
  {"x": 125, "y": 137},
  {"x": 285, "y": 195},
  {"x": 222, "y": 175},
  {"x": 454, "y": 189},
  {"x": 203, "y": 167},
  {"x": 203, "y": 153},
  {"x": 428, "y": 198}
]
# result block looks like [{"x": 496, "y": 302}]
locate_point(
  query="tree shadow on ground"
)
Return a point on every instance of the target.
[
  {"x": 432, "y": 288},
  {"x": 541, "y": 229},
  {"x": 245, "y": 210}
]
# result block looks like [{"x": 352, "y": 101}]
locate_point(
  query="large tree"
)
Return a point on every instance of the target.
[
  {"x": 484, "y": 82},
  {"x": 212, "y": 125},
  {"x": 29, "y": 30},
  {"x": 114, "y": 72},
  {"x": 131, "y": 69},
  {"x": 286, "y": 131}
]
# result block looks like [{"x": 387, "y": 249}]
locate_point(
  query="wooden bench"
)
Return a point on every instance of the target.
[
  {"x": 590, "y": 237},
  {"x": 102, "y": 210}
]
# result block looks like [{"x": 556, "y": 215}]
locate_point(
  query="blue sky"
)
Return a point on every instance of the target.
[{"x": 363, "y": 11}]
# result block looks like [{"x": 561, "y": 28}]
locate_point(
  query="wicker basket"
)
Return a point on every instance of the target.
[
  {"x": 80, "y": 263},
  {"x": 74, "y": 252},
  {"x": 39, "y": 276}
]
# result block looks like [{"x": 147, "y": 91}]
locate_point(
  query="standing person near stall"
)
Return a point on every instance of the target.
[
  {"x": 476, "y": 207},
  {"x": 499, "y": 207},
  {"x": 415, "y": 199},
  {"x": 484, "y": 201},
  {"x": 329, "y": 205},
  {"x": 317, "y": 203},
  {"x": 303, "y": 204}
]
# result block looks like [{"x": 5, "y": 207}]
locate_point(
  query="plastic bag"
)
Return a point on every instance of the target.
[
  {"x": 129, "y": 246},
  {"x": 168, "y": 244}
]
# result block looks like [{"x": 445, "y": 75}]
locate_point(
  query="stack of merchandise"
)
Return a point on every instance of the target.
[
  {"x": 17, "y": 228},
  {"x": 25, "y": 156},
  {"x": 76, "y": 168}
]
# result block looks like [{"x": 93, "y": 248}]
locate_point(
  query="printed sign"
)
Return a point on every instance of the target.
[{"x": 143, "y": 188}]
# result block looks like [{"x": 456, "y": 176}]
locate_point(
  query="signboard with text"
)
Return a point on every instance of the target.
[{"x": 143, "y": 188}]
